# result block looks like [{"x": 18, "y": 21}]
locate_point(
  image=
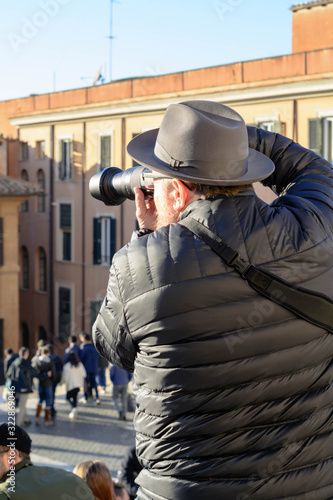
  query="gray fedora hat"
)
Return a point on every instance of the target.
[{"x": 204, "y": 142}]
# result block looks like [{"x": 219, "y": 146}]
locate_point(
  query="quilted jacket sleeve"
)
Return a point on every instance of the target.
[
  {"x": 299, "y": 172},
  {"x": 110, "y": 331}
]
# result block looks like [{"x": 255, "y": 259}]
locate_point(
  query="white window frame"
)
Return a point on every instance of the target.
[
  {"x": 66, "y": 137},
  {"x": 106, "y": 237},
  {"x": 266, "y": 122},
  {"x": 105, "y": 241},
  {"x": 102, "y": 134},
  {"x": 39, "y": 148}
]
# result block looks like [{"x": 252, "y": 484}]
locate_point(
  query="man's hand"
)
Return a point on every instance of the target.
[{"x": 145, "y": 210}]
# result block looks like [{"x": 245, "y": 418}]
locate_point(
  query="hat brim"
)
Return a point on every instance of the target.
[{"x": 141, "y": 149}]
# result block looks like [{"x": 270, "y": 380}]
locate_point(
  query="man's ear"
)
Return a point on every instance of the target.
[
  {"x": 18, "y": 457},
  {"x": 181, "y": 195}
]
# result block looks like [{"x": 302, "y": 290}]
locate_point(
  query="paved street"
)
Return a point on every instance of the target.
[{"x": 95, "y": 434}]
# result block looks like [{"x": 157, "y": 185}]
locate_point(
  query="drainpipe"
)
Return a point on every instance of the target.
[
  {"x": 83, "y": 296},
  {"x": 7, "y": 153},
  {"x": 51, "y": 240},
  {"x": 123, "y": 160},
  {"x": 295, "y": 121}
]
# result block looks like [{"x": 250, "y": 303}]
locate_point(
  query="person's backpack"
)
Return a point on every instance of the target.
[
  {"x": 58, "y": 366},
  {"x": 14, "y": 377}
]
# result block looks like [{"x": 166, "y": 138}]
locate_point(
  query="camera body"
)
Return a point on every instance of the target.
[{"x": 113, "y": 186}]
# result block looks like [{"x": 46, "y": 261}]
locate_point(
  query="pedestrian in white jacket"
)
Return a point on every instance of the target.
[{"x": 73, "y": 376}]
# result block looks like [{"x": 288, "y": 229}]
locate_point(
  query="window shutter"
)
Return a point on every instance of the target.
[
  {"x": 97, "y": 252},
  {"x": 112, "y": 238},
  {"x": 69, "y": 160},
  {"x": 66, "y": 246},
  {"x": 316, "y": 135},
  {"x": 277, "y": 127},
  {"x": 65, "y": 216},
  {"x": 62, "y": 165},
  {"x": 65, "y": 166},
  {"x": 105, "y": 151},
  {"x": 64, "y": 313},
  {"x": 283, "y": 128}
]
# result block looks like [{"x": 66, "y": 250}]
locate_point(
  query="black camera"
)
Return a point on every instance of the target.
[{"x": 113, "y": 186}]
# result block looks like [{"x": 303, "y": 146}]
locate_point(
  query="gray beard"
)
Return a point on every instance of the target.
[{"x": 166, "y": 217}]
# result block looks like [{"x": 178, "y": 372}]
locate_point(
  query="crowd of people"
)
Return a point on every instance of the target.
[
  {"x": 90, "y": 480},
  {"x": 80, "y": 369}
]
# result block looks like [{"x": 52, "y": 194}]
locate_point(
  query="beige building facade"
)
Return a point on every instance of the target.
[
  {"x": 13, "y": 269},
  {"x": 67, "y": 137}
]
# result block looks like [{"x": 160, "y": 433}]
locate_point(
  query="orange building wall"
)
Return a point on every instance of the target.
[
  {"x": 312, "y": 28},
  {"x": 230, "y": 76},
  {"x": 10, "y": 271}
]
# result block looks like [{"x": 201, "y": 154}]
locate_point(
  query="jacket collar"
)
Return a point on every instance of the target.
[{"x": 20, "y": 465}]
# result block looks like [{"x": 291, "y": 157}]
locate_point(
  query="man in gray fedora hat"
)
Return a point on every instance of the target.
[{"x": 233, "y": 392}]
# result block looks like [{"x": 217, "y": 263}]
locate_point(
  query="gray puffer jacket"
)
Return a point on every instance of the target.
[{"x": 234, "y": 393}]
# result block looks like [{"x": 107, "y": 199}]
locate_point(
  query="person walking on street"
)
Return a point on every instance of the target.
[
  {"x": 59, "y": 367},
  {"x": 120, "y": 379},
  {"x": 89, "y": 358},
  {"x": 21, "y": 374},
  {"x": 73, "y": 346},
  {"x": 47, "y": 373},
  {"x": 73, "y": 376},
  {"x": 102, "y": 366},
  {"x": 10, "y": 355},
  {"x": 40, "y": 344}
]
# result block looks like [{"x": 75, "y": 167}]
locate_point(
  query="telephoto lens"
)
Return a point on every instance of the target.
[{"x": 113, "y": 186}]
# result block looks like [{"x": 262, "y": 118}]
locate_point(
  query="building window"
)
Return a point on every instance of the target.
[
  {"x": 315, "y": 135},
  {"x": 65, "y": 164},
  {"x": 64, "y": 313},
  {"x": 41, "y": 197},
  {"x": 24, "y": 151},
  {"x": 42, "y": 335},
  {"x": 25, "y": 268},
  {"x": 42, "y": 270},
  {"x": 105, "y": 147},
  {"x": 328, "y": 138},
  {"x": 266, "y": 126},
  {"x": 66, "y": 230},
  {"x": 273, "y": 126},
  {"x": 104, "y": 240},
  {"x": 25, "y": 203},
  {"x": 40, "y": 150},
  {"x": 25, "y": 335},
  {"x": 1, "y": 241}
]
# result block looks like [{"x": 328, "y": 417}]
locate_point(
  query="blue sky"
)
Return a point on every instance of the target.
[{"x": 48, "y": 45}]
